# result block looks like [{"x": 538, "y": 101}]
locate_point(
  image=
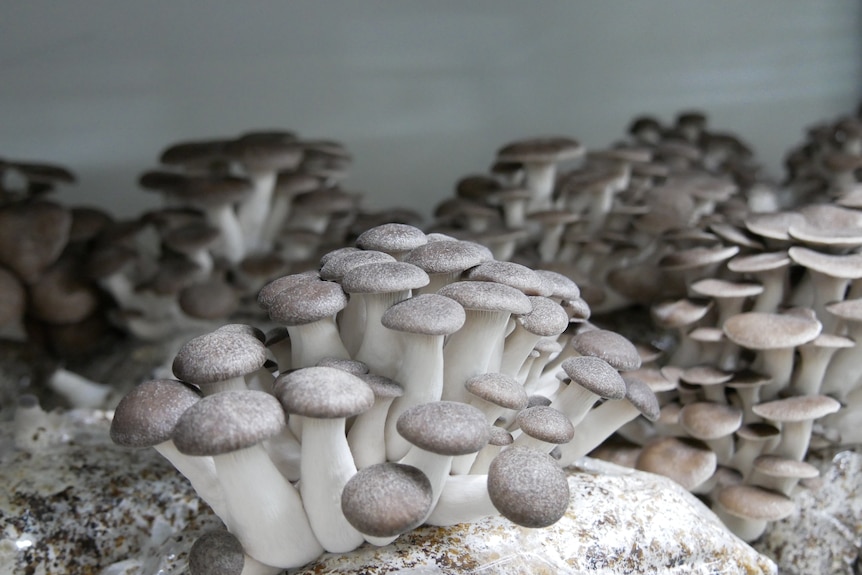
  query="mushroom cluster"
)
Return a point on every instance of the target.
[
  {"x": 44, "y": 297},
  {"x": 411, "y": 379},
  {"x": 753, "y": 288}
]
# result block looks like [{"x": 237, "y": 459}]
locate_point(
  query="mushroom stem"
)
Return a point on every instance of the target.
[
  {"x": 469, "y": 350},
  {"x": 252, "y": 213},
  {"x": 80, "y": 391},
  {"x": 464, "y": 498},
  {"x": 265, "y": 511},
  {"x": 314, "y": 341},
  {"x": 327, "y": 465},
  {"x": 595, "y": 427},
  {"x": 201, "y": 473}
]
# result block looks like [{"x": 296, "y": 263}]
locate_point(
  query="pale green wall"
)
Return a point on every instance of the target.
[{"x": 422, "y": 92}]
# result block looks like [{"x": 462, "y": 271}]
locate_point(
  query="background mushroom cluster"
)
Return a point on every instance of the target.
[
  {"x": 410, "y": 379},
  {"x": 749, "y": 289}
]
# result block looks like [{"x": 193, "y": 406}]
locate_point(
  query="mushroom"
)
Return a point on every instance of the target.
[
  {"x": 384, "y": 500},
  {"x": 780, "y": 473},
  {"x": 746, "y": 509},
  {"x": 591, "y": 379},
  {"x": 795, "y": 417},
  {"x": 439, "y": 431},
  {"x": 324, "y": 397},
  {"x": 714, "y": 424},
  {"x": 423, "y": 323},
  {"x": 307, "y": 310},
  {"x": 397, "y": 240},
  {"x": 528, "y": 487},
  {"x": 688, "y": 462},
  {"x": 264, "y": 510},
  {"x": 471, "y": 350},
  {"x": 444, "y": 262},
  {"x": 368, "y": 428},
  {"x": 146, "y": 417},
  {"x": 379, "y": 286},
  {"x": 219, "y": 361},
  {"x": 539, "y": 158},
  {"x": 546, "y": 319},
  {"x": 542, "y": 428},
  {"x": 219, "y": 552}
]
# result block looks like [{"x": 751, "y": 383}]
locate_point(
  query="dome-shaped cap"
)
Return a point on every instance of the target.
[
  {"x": 323, "y": 392},
  {"x": 444, "y": 427},
  {"x": 218, "y": 356},
  {"x": 528, "y": 487},
  {"x": 147, "y": 414}
]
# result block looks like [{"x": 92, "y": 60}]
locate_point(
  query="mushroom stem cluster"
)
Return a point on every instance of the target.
[{"x": 427, "y": 421}]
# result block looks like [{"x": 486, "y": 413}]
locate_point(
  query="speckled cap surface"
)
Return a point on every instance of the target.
[
  {"x": 487, "y": 296},
  {"x": 146, "y": 416},
  {"x": 595, "y": 375},
  {"x": 218, "y": 356},
  {"x": 307, "y": 302},
  {"x": 228, "y": 421},
  {"x": 384, "y": 277},
  {"x": 323, "y": 392},
  {"x": 444, "y": 427},
  {"x": 608, "y": 345},
  {"x": 528, "y": 487},
  {"x": 429, "y": 314}
]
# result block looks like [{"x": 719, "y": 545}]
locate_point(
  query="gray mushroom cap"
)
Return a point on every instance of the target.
[
  {"x": 392, "y": 237},
  {"x": 686, "y": 461},
  {"x": 228, "y": 421},
  {"x": 639, "y": 394},
  {"x": 499, "y": 389},
  {"x": 753, "y": 502},
  {"x": 797, "y": 408},
  {"x": 437, "y": 257},
  {"x": 562, "y": 286},
  {"x": 147, "y": 415},
  {"x": 595, "y": 375},
  {"x": 610, "y": 346},
  {"x": 307, "y": 302},
  {"x": 384, "y": 277},
  {"x": 762, "y": 330},
  {"x": 336, "y": 265},
  {"x": 512, "y": 274},
  {"x": 487, "y": 296},
  {"x": 323, "y": 392},
  {"x": 541, "y": 149},
  {"x": 218, "y": 356},
  {"x": 269, "y": 292},
  {"x": 528, "y": 487},
  {"x": 386, "y": 499},
  {"x": 546, "y": 424},
  {"x": 428, "y": 314},
  {"x": 216, "y": 553},
  {"x": 444, "y": 427},
  {"x": 547, "y": 318}
]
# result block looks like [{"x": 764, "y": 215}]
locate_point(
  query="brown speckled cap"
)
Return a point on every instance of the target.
[
  {"x": 444, "y": 427},
  {"x": 609, "y": 346},
  {"x": 323, "y": 392},
  {"x": 438, "y": 257},
  {"x": 428, "y": 314},
  {"x": 761, "y": 330},
  {"x": 511, "y": 274},
  {"x": 487, "y": 296},
  {"x": 307, "y": 302},
  {"x": 546, "y": 424},
  {"x": 528, "y": 487},
  {"x": 218, "y": 356},
  {"x": 384, "y": 277},
  {"x": 216, "y": 553},
  {"x": 391, "y": 238},
  {"x": 547, "y": 318},
  {"x": 147, "y": 414},
  {"x": 595, "y": 375},
  {"x": 228, "y": 421},
  {"x": 499, "y": 389},
  {"x": 386, "y": 499}
]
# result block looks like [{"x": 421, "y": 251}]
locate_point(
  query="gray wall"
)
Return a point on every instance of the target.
[{"x": 421, "y": 92}]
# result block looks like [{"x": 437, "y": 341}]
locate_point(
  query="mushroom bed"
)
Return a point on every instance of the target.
[{"x": 660, "y": 304}]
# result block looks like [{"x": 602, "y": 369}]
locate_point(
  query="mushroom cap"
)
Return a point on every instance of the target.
[
  {"x": 228, "y": 421},
  {"x": 705, "y": 375},
  {"x": 545, "y": 149},
  {"x": 763, "y": 330},
  {"x": 487, "y": 296},
  {"x": 752, "y": 502},
  {"x": 444, "y": 427},
  {"x": 687, "y": 462},
  {"x": 845, "y": 266},
  {"x": 511, "y": 274},
  {"x": 608, "y": 345},
  {"x": 595, "y": 375},
  {"x": 337, "y": 265},
  {"x": 307, "y": 302},
  {"x": 265, "y": 153},
  {"x": 382, "y": 386},
  {"x": 528, "y": 487},
  {"x": 216, "y": 553},
  {"x": 218, "y": 356},
  {"x": 386, "y": 499},
  {"x": 499, "y": 437},
  {"x": 719, "y": 288},
  {"x": 353, "y": 366},
  {"x": 269, "y": 292},
  {"x": 384, "y": 277},
  {"x": 547, "y": 318},
  {"x": 758, "y": 262},
  {"x": 848, "y": 310},
  {"x": 209, "y": 299},
  {"x": 147, "y": 414},
  {"x": 776, "y": 466},
  {"x": 391, "y": 237},
  {"x": 797, "y": 408},
  {"x": 757, "y": 432},
  {"x": 323, "y": 392},
  {"x": 639, "y": 394},
  {"x": 697, "y": 257},
  {"x": 499, "y": 389},
  {"x": 546, "y": 424},
  {"x": 679, "y": 313},
  {"x": 706, "y": 420},
  {"x": 428, "y": 314},
  {"x": 438, "y": 257}
]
